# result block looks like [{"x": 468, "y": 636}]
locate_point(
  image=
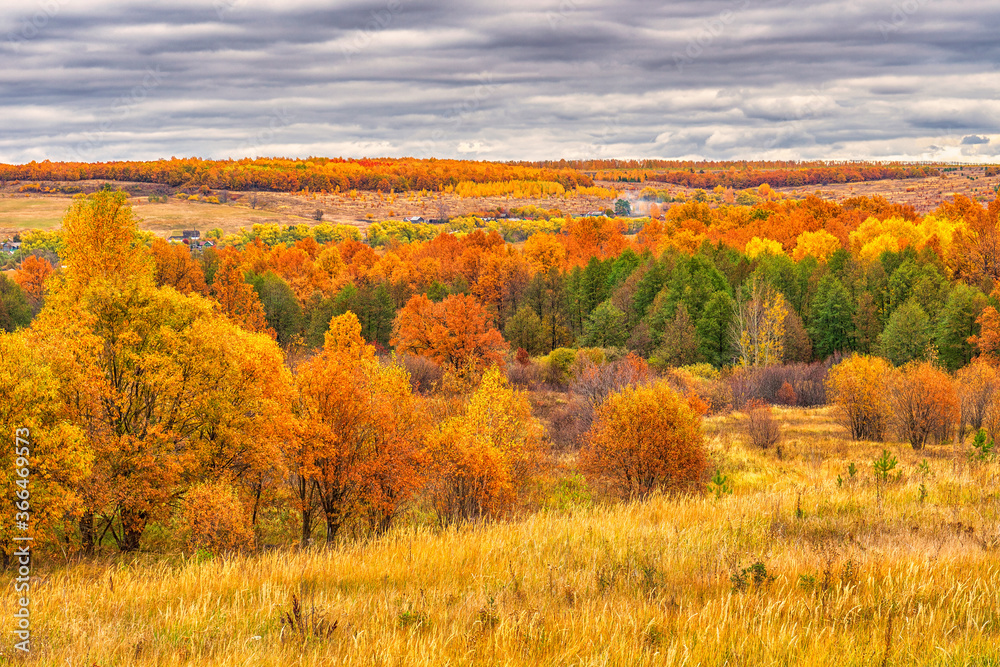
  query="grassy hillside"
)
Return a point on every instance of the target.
[{"x": 803, "y": 563}]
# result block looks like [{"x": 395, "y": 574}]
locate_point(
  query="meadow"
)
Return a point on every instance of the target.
[{"x": 793, "y": 555}]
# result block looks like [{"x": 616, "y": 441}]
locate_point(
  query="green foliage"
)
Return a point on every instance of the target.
[
  {"x": 713, "y": 328},
  {"x": 720, "y": 485},
  {"x": 623, "y": 208},
  {"x": 832, "y": 323},
  {"x": 15, "y": 311},
  {"x": 982, "y": 447},
  {"x": 605, "y": 327},
  {"x": 906, "y": 335},
  {"x": 281, "y": 309},
  {"x": 372, "y": 305},
  {"x": 956, "y": 324},
  {"x": 755, "y": 576},
  {"x": 526, "y": 330}
]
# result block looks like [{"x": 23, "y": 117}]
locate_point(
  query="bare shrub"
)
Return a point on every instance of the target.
[
  {"x": 807, "y": 384},
  {"x": 596, "y": 381},
  {"x": 425, "y": 373},
  {"x": 977, "y": 386},
  {"x": 569, "y": 422},
  {"x": 762, "y": 428},
  {"x": 526, "y": 375}
]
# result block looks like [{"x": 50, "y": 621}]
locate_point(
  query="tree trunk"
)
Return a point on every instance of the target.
[
  {"x": 87, "y": 532},
  {"x": 133, "y": 526}
]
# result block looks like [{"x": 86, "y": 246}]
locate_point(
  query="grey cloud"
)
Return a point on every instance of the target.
[
  {"x": 538, "y": 79},
  {"x": 973, "y": 139}
]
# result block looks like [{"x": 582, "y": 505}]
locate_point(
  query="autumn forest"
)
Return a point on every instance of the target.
[{"x": 714, "y": 388}]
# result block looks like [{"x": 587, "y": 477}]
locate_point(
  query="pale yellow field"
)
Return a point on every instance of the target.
[{"x": 846, "y": 576}]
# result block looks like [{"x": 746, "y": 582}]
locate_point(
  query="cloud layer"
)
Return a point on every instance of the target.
[{"x": 716, "y": 79}]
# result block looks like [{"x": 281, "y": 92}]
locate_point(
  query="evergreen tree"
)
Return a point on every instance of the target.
[
  {"x": 832, "y": 324},
  {"x": 713, "y": 329},
  {"x": 526, "y": 330},
  {"x": 907, "y": 334},
  {"x": 605, "y": 327},
  {"x": 957, "y": 323}
]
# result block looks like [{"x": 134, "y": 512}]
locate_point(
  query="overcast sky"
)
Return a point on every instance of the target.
[{"x": 518, "y": 79}]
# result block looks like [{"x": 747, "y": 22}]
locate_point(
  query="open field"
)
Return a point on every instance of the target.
[
  {"x": 23, "y": 211},
  {"x": 792, "y": 567},
  {"x": 19, "y": 212}
]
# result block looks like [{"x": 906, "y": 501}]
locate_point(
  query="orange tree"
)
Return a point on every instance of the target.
[
  {"x": 357, "y": 442},
  {"x": 924, "y": 404},
  {"x": 457, "y": 332},
  {"x": 480, "y": 459},
  {"x": 859, "y": 386},
  {"x": 645, "y": 438}
]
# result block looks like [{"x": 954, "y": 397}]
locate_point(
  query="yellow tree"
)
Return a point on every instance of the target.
[
  {"x": 165, "y": 391},
  {"x": 758, "y": 328},
  {"x": 859, "y": 386},
  {"x": 481, "y": 459},
  {"x": 358, "y": 437},
  {"x": 50, "y": 452}
]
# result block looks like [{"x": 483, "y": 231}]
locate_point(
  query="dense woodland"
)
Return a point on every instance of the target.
[
  {"x": 309, "y": 377},
  {"x": 383, "y": 174}
]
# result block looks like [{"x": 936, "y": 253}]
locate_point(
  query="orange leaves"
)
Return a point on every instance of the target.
[
  {"x": 238, "y": 300},
  {"x": 213, "y": 518},
  {"x": 31, "y": 276},
  {"x": 645, "y": 438},
  {"x": 357, "y": 430},
  {"x": 599, "y": 237},
  {"x": 455, "y": 332},
  {"x": 924, "y": 403},
  {"x": 174, "y": 267}
]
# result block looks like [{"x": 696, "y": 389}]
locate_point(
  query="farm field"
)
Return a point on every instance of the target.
[
  {"x": 803, "y": 563},
  {"x": 25, "y": 211}
]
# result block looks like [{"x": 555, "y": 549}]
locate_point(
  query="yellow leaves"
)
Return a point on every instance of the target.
[
  {"x": 519, "y": 189},
  {"x": 481, "y": 458},
  {"x": 102, "y": 241},
  {"x": 758, "y": 246},
  {"x": 874, "y": 236},
  {"x": 545, "y": 252},
  {"x": 343, "y": 341},
  {"x": 859, "y": 385},
  {"x": 760, "y": 326},
  {"x": 819, "y": 244}
]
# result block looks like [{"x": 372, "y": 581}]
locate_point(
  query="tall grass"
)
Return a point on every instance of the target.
[{"x": 795, "y": 567}]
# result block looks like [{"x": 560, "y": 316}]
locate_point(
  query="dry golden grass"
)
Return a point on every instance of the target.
[{"x": 845, "y": 579}]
